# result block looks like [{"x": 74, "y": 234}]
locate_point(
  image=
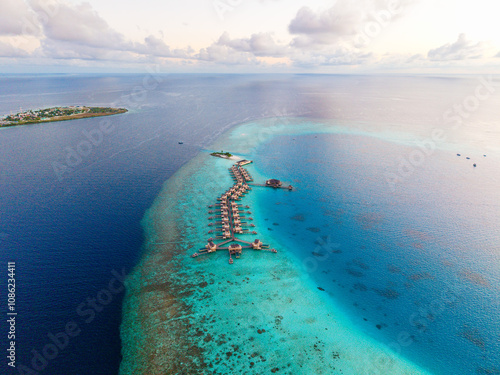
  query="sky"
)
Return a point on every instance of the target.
[{"x": 250, "y": 36}]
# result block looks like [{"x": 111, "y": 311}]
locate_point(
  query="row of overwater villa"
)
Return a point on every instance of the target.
[{"x": 229, "y": 217}]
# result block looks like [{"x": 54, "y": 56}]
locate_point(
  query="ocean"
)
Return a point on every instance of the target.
[{"x": 388, "y": 247}]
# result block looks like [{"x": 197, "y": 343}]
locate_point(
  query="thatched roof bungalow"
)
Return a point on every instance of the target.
[
  {"x": 273, "y": 183},
  {"x": 211, "y": 247},
  {"x": 257, "y": 244}
]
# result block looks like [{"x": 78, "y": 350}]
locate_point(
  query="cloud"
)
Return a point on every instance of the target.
[
  {"x": 78, "y": 24},
  {"x": 7, "y": 50},
  {"x": 154, "y": 46},
  {"x": 262, "y": 44},
  {"x": 345, "y": 21},
  {"x": 336, "y": 22},
  {"x": 61, "y": 50},
  {"x": 243, "y": 50},
  {"x": 462, "y": 49},
  {"x": 16, "y": 18},
  {"x": 338, "y": 57},
  {"x": 226, "y": 55},
  {"x": 77, "y": 31}
]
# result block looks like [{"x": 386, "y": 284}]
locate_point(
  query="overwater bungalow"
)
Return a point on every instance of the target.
[
  {"x": 230, "y": 220},
  {"x": 273, "y": 183},
  {"x": 211, "y": 247},
  {"x": 257, "y": 245},
  {"x": 235, "y": 249}
]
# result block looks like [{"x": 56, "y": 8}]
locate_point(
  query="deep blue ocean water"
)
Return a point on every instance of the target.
[
  {"x": 68, "y": 230},
  {"x": 68, "y": 234}
]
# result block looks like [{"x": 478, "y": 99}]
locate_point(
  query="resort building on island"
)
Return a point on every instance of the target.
[
  {"x": 273, "y": 183},
  {"x": 211, "y": 247},
  {"x": 257, "y": 244}
]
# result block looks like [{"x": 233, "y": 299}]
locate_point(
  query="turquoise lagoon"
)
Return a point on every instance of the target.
[{"x": 387, "y": 263}]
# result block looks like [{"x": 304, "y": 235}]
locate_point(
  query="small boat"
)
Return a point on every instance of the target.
[
  {"x": 230, "y": 260},
  {"x": 181, "y": 143}
]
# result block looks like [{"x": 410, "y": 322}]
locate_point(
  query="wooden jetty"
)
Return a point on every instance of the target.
[{"x": 228, "y": 217}]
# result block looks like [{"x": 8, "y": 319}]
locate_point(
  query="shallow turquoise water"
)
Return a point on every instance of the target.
[{"x": 370, "y": 276}]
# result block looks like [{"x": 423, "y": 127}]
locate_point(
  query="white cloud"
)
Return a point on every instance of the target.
[
  {"x": 154, "y": 46},
  {"x": 79, "y": 24},
  {"x": 244, "y": 51},
  {"x": 344, "y": 21},
  {"x": 338, "y": 57},
  {"x": 8, "y": 50},
  {"x": 72, "y": 32},
  {"x": 462, "y": 49},
  {"x": 226, "y": 55},
  {"x": 338, "y": 21},
  {"x": 262, "y": 44},
  {"x": 16, "y": 18},
  {"x": 77, "y": 31}
]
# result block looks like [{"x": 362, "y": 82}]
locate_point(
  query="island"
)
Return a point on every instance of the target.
[
  {"x": 57, "y": 114},
  {"x": 222, "y": 154}
]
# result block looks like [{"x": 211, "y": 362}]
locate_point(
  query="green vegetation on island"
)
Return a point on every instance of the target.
[
  {"x": 222, "y": 154},
  {"x": 57, "y": 114}
]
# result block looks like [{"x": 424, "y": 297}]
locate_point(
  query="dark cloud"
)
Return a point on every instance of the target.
[{"x": 462, "y": 49}]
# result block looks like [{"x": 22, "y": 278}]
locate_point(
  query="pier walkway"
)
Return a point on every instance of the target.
[{"x": 228, "y": 217}]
